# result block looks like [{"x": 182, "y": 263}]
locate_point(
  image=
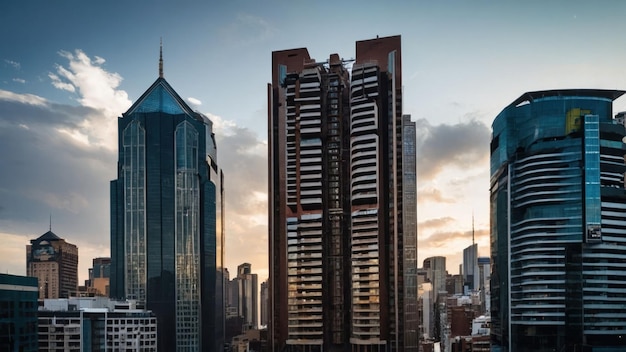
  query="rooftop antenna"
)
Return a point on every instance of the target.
[
  {"x": 473, "y": 229},
  {"x": 50, "y": 222},
  {"x": 161, "y": 59}
]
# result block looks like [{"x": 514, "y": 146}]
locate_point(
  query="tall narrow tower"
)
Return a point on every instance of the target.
[
  {"x": 248, "y": 295},
  {"x": 342, "y": 218},
  {"x": 166, "y": 219}
]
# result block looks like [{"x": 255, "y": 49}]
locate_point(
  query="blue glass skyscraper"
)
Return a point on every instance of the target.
[
  {"x": 166, "y": 220},
  {"x": 558, "y": 223}
]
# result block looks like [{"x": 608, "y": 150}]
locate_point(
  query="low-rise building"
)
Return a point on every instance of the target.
[{"x": 95, "y": 324}]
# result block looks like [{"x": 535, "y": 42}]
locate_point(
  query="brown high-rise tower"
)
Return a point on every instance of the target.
[
  {"x": 342, "y": 203},
  {"x": 54, "y": 263}
]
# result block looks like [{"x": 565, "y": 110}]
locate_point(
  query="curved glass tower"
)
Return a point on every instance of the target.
[
  {"x": 558, "y": 223},
  {"x": 166, "y": 220}
]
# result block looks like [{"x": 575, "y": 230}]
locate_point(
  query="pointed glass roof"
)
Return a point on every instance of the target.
[{"x": 160, "y": 97}]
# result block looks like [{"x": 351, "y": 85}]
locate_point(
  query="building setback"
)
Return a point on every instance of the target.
[
  {"x": 558, "y": 234},
  {"x": 166, "y": 219},
  {"x": 54, "y": 263},
  {"x": 342, "y": 221}
]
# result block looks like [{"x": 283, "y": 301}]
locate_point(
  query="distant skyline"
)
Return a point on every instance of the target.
[{"x": 69, "y": 69}]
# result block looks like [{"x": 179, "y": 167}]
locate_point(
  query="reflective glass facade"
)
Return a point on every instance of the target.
[
  {"x": 557, "y": 192},
  {"x": 409, "y": 227},
  {"x": 166, "y": 220},
  {"x": 134, "y": 169},
  {"x": 18, "y": 313}
]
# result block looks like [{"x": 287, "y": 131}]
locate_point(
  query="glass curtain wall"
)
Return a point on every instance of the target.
[
  {"x": 187, "y": 238},
  {"x": 134, "y": 220}
]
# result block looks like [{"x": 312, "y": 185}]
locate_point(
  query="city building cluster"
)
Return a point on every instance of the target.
[{"x": 342, "y": 239}]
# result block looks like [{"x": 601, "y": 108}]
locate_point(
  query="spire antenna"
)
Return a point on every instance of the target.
[
  {"x": 50, "y": 222},
  {"x": 161, "y": 60},
  {"x": 473, "y": 229}
]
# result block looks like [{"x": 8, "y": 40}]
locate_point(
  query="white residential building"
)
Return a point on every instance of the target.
[{"x": 95, "y": 323}]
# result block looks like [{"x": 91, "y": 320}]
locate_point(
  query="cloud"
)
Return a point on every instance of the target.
[
  {"x": 97, "y": 89},
  {"x": 13, "y": 246},
  {"x": 16, "y": 65},
  {"x": 436, "y": 223},
  {"x": 57, "y": 83},
  {"x": 223, "y": 128},
  {"x": 194, "y": 101},
  {"x": 477, "y": 175},
  {"x": 46, "y": 173},
  {"x": 433, "y": 195},
  {"x": 98, "y": 60},
  {"x": 29, "y": 99},
  {"x": 443, "y": 238},
  {"x": 464, "y": 145},
  {"x": 45, "y": 169},
  {"x": 243, "y": 159},
  {"x": 72, "y": 201},
  {"x": 19, "y": 80},
  {"x": 60, "y": 159}
]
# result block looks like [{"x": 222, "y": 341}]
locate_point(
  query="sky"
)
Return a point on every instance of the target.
[{"x": 69, "y": 69}]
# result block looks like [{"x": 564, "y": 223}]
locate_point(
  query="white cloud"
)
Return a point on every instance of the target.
[
  {"x": 29, "y": 99},
  {"x": 98, "y": 60},
  {"x": 96, "y": 86},
  {"x": 76, "y": 135},
  {"x": 19, "y": 80},
  {"x": 98, "y": 89},
  {"x": 194, "y": 101},
  {"x": 57, "y": 83},
  {"x": 221, "y": 127},
  {"x": 16, "y": 65},
  {"x": 77, "y": 151}
]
